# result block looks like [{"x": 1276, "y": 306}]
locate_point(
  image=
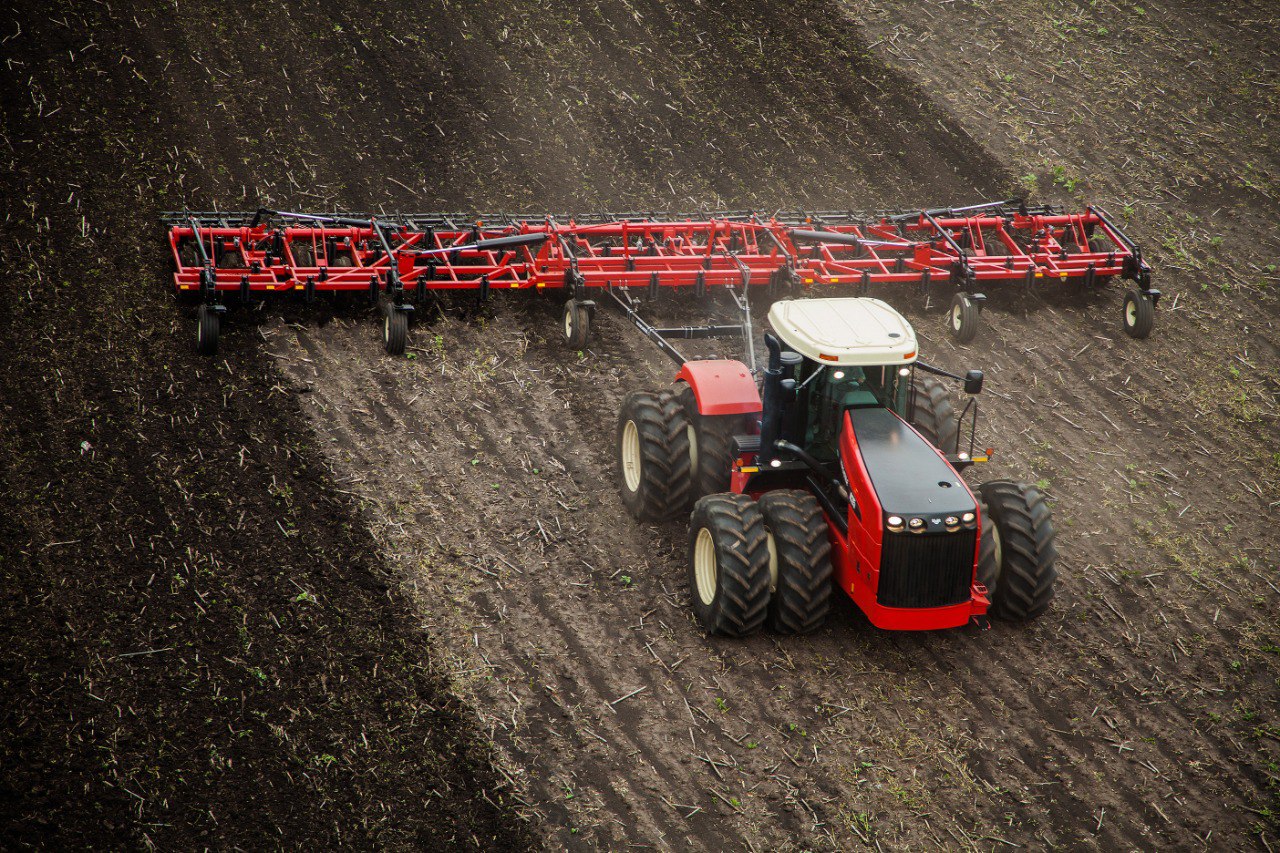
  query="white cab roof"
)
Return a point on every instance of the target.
[{"x": 851, "y": 331}]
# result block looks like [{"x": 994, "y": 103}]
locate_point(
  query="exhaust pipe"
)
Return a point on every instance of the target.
[{"x": 779, "y": 395}]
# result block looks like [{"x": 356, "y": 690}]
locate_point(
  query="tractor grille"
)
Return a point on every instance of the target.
[{"x": 926, "y": 570}]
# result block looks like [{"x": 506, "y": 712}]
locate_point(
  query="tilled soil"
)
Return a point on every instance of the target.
[{"x": 1139, "y": 712}]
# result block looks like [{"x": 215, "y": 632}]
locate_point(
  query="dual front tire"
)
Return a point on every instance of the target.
[
  {"x": 755, "y": 564},
  {"x": 1017, "y": 555}
]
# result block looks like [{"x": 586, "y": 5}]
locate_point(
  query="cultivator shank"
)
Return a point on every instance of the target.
[{"x": 404, "y": 259}]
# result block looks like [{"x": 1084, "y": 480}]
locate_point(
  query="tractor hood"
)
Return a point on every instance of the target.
[{"x": 910, "y": 479}]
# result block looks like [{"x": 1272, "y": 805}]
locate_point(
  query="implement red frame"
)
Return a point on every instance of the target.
[{"x": 270, "y": 252}]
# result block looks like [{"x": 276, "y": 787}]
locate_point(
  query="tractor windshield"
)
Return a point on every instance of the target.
[{"x": 827, "y": 391}]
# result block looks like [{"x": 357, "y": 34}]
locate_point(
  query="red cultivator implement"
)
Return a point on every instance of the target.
[{"x": 404, "y": 259}]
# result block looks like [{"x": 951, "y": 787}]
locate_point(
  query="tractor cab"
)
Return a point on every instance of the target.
[{"x": 835, "y": 356}]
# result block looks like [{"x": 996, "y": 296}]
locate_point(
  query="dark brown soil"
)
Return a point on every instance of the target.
[{"x": 282, "y": 575}]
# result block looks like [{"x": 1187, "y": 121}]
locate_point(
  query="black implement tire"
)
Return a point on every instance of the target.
[
  {"x": 992, "y": 245},
  {"x": 729, "y": 565},
  {"x": 933, "y": 415},
  {"x": 1017, "y": 560},
  {"x": 800, "y": 561},
  {"x": 208, "y": 324},
  {"x": 1139, "y": 314},
  {"x": 653, "y": 455},
  {"x": 395, "y": 331},
  {"x": 575, "y": 325},
  {"x": 710, "y": 445},
  {"x": 962, "y": 319}
]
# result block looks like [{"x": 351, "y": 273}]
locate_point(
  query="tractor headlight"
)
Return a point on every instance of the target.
[
  {"x": 894, "y": 523},
  {"x": 968, "y": 519},
  {"x": 916, "y": 525},
  {"x": 952, "y": 523}
]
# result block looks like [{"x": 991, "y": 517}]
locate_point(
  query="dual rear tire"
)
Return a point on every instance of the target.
[
  {"x": 933, "y": 415},
  {"x": 652, "y": 443}
]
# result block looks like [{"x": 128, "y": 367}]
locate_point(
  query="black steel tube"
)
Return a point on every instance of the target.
[
  {"x": 699, "y": 331},
  {"x": 804, "y": 236},
  {"x": 771, "y": 417}
]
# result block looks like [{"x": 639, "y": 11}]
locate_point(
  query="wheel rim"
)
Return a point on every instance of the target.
[
  {"x": 386, "y": 329},
  {"x": 200, "y": 332},
  {"x": 631, "y": 456},
  {"x": 956, "y": 317},
  {"x": 693, "y": 446},
  {"x": 568, "y": 323},
  {"x": 704, "y": 566},
  {"x": 1130, "y": 313}
]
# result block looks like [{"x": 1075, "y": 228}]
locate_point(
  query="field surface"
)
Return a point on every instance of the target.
[{"x": 303, "y": 594}]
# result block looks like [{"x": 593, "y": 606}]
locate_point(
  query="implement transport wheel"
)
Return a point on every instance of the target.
[
  {"x": 799, "y": 561},
  {"x": 933, "y": 415},
  {"x": 711, "y": 455},
  {"x": 1139, "y": 314},
  {"x": 395, "y": 331},
  {"x": 208, "y": 325},
  {"x": 729, "y": 564},
  {"x": 1017, "y": 559},
  {"x": 653, "y": 456},
  {"x": 962, "y": 321},
  {"x": 575, "y": 325}
]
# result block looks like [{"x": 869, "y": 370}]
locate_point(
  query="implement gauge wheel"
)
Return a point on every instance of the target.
[
  {"x": 208, "y": 325},
  {"x": 962, "y": 320},
  {"x": 653, "y": 456},
  {"x": 575, "y": 325},
  {"x": 395, "y": 332},
  {"x": 729, "y": 565},
  {"x": 1139, "y": 314},
  {"x": 1017, "y": 558},
  {"x": 799, "y": 561}
]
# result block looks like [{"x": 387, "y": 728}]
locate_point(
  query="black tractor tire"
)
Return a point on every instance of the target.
[
  {"x": 1017, "y": 557},
  {"x": 933, "y": 414},
  {"x": 799, "y": 560},
  {"x": 653, "y": 456},
  {"x": 1139, "y": 314},
  {"x": 395, "y": 331},
  {"x": 729, "y": 565},
  {"x": 711, "y": 453},
  {"x": 208, "y": 325},
  {"x": 963, "y": 319},
  {"x": 575, "y": 325}
]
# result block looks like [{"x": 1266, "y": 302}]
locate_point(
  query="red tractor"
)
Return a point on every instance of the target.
[{"x": 842, "y": 465}]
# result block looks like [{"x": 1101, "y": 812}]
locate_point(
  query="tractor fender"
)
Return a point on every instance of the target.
[{"x": 721, "y": 386}]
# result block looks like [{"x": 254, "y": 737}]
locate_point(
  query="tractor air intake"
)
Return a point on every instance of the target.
[{"x": 926, "y": 570}]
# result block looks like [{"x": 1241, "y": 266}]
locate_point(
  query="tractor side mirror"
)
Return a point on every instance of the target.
[{"x": 973, "y": 382}]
